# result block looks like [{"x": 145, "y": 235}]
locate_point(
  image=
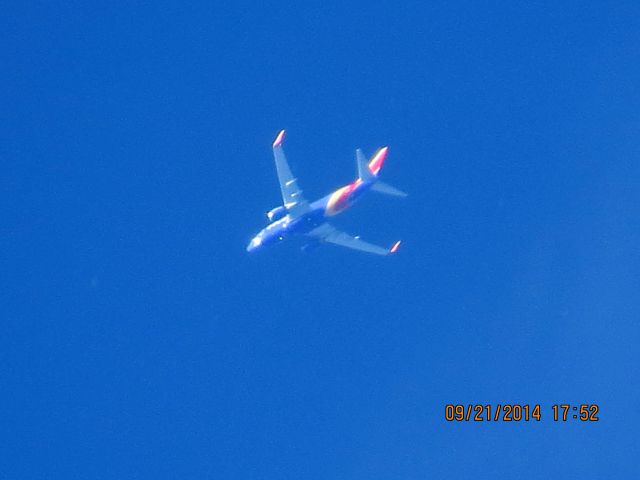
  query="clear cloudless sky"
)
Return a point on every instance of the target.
[{"x": 138, "y": 338}]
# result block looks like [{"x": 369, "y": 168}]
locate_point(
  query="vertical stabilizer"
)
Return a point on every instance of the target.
[
  {"x": 364, "y": 173},
  {"x": 377, "y": 160}
]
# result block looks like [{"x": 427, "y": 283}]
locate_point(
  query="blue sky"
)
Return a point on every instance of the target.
[{"x": 140, "y": 340}]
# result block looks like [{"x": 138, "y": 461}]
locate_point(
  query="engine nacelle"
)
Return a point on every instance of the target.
[{"x": 276, "y": 213}]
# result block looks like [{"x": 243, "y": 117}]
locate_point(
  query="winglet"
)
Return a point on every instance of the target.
[
  {"x": 278, "y": 139},
  {"x": 395, "y": 247}
]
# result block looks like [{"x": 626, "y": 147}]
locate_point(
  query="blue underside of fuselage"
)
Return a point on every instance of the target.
[{"x": 283, "y": 228}]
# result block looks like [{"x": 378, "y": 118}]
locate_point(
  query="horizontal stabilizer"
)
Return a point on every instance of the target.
[{"x": 387, "y": 189}]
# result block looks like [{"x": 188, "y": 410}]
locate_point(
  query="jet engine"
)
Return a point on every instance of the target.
[{"x": 276, "y": 213}]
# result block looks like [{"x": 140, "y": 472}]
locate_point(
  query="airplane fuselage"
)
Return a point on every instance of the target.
[
  {"x": 296, "y": 216},
  {"x": 327, "y": 206}
]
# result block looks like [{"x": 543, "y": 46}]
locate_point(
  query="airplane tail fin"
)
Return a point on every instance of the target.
[
  {"x": 375, "y": 164},
  {"x": 387, "y": 189},
  {"x": 368, "y": 172},
  {"x": 364, "y": 173}
]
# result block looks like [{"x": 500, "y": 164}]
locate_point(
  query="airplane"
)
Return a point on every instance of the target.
[{"x": 298, "y": 217}]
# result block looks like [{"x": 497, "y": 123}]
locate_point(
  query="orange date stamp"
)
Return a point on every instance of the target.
[{"x": 519, "y": 412}]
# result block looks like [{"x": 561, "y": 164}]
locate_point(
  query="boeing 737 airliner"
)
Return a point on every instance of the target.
[{"x": 298, "y": 217}]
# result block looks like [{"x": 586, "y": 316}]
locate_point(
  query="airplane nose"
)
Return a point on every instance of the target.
[{"x": 255, "y": 243}]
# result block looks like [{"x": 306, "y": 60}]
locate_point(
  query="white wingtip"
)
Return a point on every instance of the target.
[{"x": 278, "y": 139}]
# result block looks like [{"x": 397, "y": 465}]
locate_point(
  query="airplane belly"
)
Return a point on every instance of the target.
[
  {"x": 306, "y": 223},
  {"x": 344, "y": 197}
]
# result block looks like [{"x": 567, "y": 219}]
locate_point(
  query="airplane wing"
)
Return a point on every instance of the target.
[
  {"x": 292, "y": 197},
  {"x": 328, "y": 233}
]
